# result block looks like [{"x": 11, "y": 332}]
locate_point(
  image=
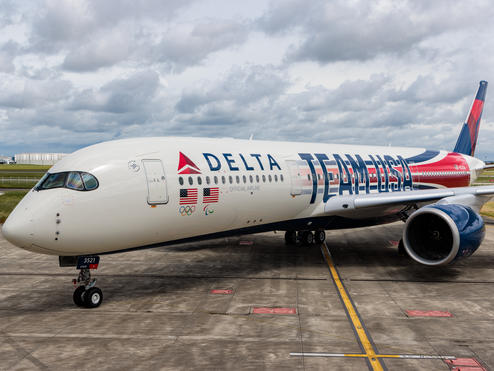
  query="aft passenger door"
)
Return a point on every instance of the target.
[
  {"x": 156, "y": 182},
  {"x": 295, "y": 177}
]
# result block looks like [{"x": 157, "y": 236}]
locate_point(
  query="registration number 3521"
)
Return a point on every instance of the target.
[{"x": 87, "y": 262}]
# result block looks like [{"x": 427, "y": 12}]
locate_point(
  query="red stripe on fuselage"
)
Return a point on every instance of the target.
[{"x": 453, "y": 163}]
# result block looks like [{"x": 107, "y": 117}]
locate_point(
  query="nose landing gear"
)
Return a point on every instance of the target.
[{"x": 87, "y": 294}]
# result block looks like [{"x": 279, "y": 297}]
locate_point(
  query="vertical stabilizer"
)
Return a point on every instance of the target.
[{"x": 470, "y": 130}]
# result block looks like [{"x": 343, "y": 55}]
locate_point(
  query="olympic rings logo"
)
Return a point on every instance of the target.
[{"x": 186, "y": 210}]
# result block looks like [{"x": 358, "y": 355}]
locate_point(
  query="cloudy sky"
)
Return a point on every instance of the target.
[{"x": 74, "y": 73}]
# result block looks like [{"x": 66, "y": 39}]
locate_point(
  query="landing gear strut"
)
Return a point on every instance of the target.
[
  {"x": 87, "y": 294},
  {"x": 401, "y": 248},
  {"x": 291, "y": 237}
]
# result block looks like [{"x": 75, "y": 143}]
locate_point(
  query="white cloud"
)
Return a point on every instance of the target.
[{"x": 402, "y": 72}]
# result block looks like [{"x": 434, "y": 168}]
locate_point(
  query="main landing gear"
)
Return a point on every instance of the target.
[
  {"x": 87, "y": 294},
  {"x": 305, "y": 238}
]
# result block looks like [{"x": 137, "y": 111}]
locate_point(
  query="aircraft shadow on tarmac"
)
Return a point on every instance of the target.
[{"x": 168, "y": 273}]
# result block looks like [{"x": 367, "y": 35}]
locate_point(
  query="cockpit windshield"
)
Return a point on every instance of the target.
[{"x": 76, "y": 180}]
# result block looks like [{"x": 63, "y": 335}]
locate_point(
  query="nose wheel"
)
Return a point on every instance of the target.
[{"x": 87, "y": 294}]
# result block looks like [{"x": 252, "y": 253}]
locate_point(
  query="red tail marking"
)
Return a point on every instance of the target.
[{"x": 473, "y": 120}]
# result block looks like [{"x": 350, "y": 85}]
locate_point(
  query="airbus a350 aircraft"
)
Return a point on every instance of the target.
[{"x": 148, "y": 192}]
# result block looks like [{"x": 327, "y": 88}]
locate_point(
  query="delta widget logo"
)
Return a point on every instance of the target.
[{"x": 186, "y": 165}]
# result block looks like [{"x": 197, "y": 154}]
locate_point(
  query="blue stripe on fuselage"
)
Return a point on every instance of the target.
[{"x": 426, "y": 156}]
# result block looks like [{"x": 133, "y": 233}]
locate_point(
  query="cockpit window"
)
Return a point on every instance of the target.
[
  {"x": 37, "y": 186},
  {"x": 54, "y": 181},
  {"x": 89, "y": 181},
  {"x": 76, "y": 180}
]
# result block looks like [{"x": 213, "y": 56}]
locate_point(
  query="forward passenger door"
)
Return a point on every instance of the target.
[{"x": 156, "y": 182}]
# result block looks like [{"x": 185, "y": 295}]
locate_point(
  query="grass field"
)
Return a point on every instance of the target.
[
  {"x": 21, "y": 176},
  {"x": 488, "y": 209},
  {"x": 486, "y": 177},
  {"x": 8, "y": 201},
  {"x": 16, "y": 167}
]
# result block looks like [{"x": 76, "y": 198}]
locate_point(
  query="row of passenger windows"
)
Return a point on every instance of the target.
[
  {"x": 233, "y": 179},
  {"x": 434, "y": 173}
]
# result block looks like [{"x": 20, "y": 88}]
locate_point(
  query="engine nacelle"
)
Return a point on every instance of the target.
[{"x": 441, "y": 234}]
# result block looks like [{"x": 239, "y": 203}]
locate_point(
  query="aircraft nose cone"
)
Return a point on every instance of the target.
[{"x": 17, "y": 232}]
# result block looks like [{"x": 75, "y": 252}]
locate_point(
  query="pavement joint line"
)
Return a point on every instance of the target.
[
  {"x": 300, "y": 327},
  {"x": 413, "y": 281},
  {"x": 164, "y": 276},
  {"x": 373, "y": 362},
  {"x": 361, "y": 355}
]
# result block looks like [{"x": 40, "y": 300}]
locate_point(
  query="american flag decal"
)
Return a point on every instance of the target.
[
  {"x": 211, "y": 195},
  {"x": 188, "y": 196}
]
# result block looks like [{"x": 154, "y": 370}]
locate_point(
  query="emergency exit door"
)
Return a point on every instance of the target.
[{"x": 156, "y": 182}]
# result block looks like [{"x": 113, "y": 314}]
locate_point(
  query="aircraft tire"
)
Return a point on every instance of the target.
[
  {"x": 319, "y": 236},
  {"x": 290, "y": 237},
  {"x": 93, "y": 297},
  {"x": 79, "y": 296},
  {"x": 307, "y": 238}
]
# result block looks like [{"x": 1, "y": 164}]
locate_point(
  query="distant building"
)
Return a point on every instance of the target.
[
  {"x": 6, "y": 160},
  {"x": 38, "y": 158}
]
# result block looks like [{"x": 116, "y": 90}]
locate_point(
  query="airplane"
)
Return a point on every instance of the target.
[{"x": 139, "y": 193}]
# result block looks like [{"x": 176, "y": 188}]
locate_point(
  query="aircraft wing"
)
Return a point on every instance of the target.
[{"x": 474, "y": 197}]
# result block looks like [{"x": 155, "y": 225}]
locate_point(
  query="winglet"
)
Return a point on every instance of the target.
[{"x": 470, "y": 130}]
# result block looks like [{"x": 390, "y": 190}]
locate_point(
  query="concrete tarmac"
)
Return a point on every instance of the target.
[{"x": 159, "y": 311}]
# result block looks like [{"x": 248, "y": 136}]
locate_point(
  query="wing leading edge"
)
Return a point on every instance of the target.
[{"x": 474, "y": 197}]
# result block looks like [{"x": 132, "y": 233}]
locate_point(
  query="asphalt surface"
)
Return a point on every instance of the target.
[{"x": 159, "y": 312}]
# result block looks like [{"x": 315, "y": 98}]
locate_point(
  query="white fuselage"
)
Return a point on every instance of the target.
[{"x": 230, "y": 185}]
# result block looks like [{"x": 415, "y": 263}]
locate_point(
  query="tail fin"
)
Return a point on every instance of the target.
[{"x": 470, "y": 130}]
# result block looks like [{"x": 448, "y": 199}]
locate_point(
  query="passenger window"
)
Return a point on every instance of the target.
[
  {"x": 264, "y": 178},
  {"x": 275, "y": 177},
  {"x": 215, "y": 179},
  {"x": 181, "y": 181},
  {"x": 74, "y": 181},
  {"x": 281, "y": 178},
  {"x": 257, "y": 178},
  {"x": 89, "y": 181},
  {"x": 54, "y": 181},
  {"x": 237, "y": 179},
  {"x": 251, "y": 179},
  {"x": 199, "y": 180},
  {"x": 207, "y": 180},
  {"x": 223, "y": 180},
  {"x": 269, "y": 177},
  {"x": 191, "y": 181},
  {"x": 230, "y": 179},
  {"x": 244, "y": 178}
]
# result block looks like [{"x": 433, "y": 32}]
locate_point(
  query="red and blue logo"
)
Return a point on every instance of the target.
[{"x": 186, "y": 165}]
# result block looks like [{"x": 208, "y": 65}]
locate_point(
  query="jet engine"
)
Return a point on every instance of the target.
[{"x": 440, "y": 234}]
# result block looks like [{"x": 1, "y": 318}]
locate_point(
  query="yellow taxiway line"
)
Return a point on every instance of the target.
[{"x": 370, "y": 353}]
